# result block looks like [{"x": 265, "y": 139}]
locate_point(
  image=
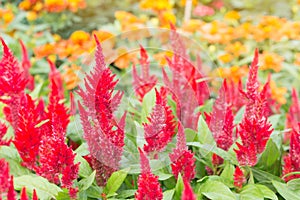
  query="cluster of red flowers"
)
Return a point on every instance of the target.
[
  {"x": 7, "y": 184},
  {"x": 41, "y": 147}
]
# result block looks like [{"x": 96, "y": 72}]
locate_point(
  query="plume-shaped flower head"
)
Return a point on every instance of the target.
[
  {"x": 182, "y": 159},
  {"x": 161, "y": 127},
  {"x": 104, "y": 136},
  {"x": 239, "y": 178},
  {"x": 148, "y": 185},
  {"x": 187, "y": 193},
  {"x": 254, "y": 129},
  {"x": 292, "y": 160},
  {"x": 145, "y": 82}
]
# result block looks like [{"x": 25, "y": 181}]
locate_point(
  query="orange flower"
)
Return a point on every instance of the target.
[
  {"x": 43, "y": 51},
  {"x": 125, "y": 58},
  {"x": 70, "y": 76},
  {"x": 74, "y": 5},
  {"x": 55, "y": 5},
  {"x": 192, "y": 25},
  {"x": 234, "y": 73},
  {"x": 236, "y": 49},
  {"x": 278, "y": 93},
  {"x": 271, "y": 61},
  {"x": 25, "y": 5}
]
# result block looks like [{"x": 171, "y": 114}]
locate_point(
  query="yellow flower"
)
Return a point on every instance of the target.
[
  {"x": 232, "y": 15},
  {"x": 225, "y": 58},
  {"x": 31, "y": 16},
  {"x": 38, "y": 7},
  {"x": 7, "y": 15},
  {"x": 79, "y": 37},
  {"x": 271, "y": 61},
  {"x": 166, "y": 18},
  {"x": 157, "y": 5}
]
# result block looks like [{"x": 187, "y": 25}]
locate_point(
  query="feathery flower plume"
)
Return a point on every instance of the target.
[
  {"x": 182, "y": 159},
  {"x": 161, "y": 127},
  {"x": 145, "y": 82},
  {"x": 221, "y": 122},
  {"x": 187, "y": 193},
  {"x": 104, "y": 136},
  {"x": 292, "y": 161},
  {"x": 187, "y": 88},
  {"x": 3, "y": 130},
  {"x": 12, "y": 85},
  {"x": 239, "y": 178},
  {"x": 148, "y": 185},
  {"x": 26, "y": 66},
  {"x": 293, "y": 116},
  {"x": 254, "y": 129}
]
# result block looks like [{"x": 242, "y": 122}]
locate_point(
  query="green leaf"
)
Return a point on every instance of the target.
[
  {"x": 44, "y": 189},
  {"x": 147, "y": 105},
  {"x": 286, "y": 192},
  {"x": 84, "y": 168},
  {"x": 270, "y": 158},
  {"x": 115, "y": 181},
  {"x": 274, "y": 120},
  {"x": 267, "y": 192},
  {"x": 204, "y": 134},
  {"x": 63, "y": 195},
  {"x": 126, "y": 193},
  {"x": 168, "y": 195},
  {"x": 179, "y": 187},
  {"x": 190, "y": 135},
  {"x": 82, "y": 150},
  {"x": 94, "y": 191},
  {"x": 11, "y": 156},
  {"x": 216, "y": 190},
  {"x": 294, "y": 184},
  {"x": 251, "y": 192},
  {"x": 227, "y": 174},
  {"x": 85, "y": 183}
]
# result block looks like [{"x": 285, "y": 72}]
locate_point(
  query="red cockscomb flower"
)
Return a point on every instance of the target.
[
  {"x": 239, "y": 178},
  {"x": 104, "y": 136},
  {"x": 182, "y": 159},
  {"x": 144, "y": 83},
  {"x": 187, "y": 193},
  {"x": 161, "y": 127},
  {"x": 254, "y": 129},
  {"x": 148, "y": 185}
]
